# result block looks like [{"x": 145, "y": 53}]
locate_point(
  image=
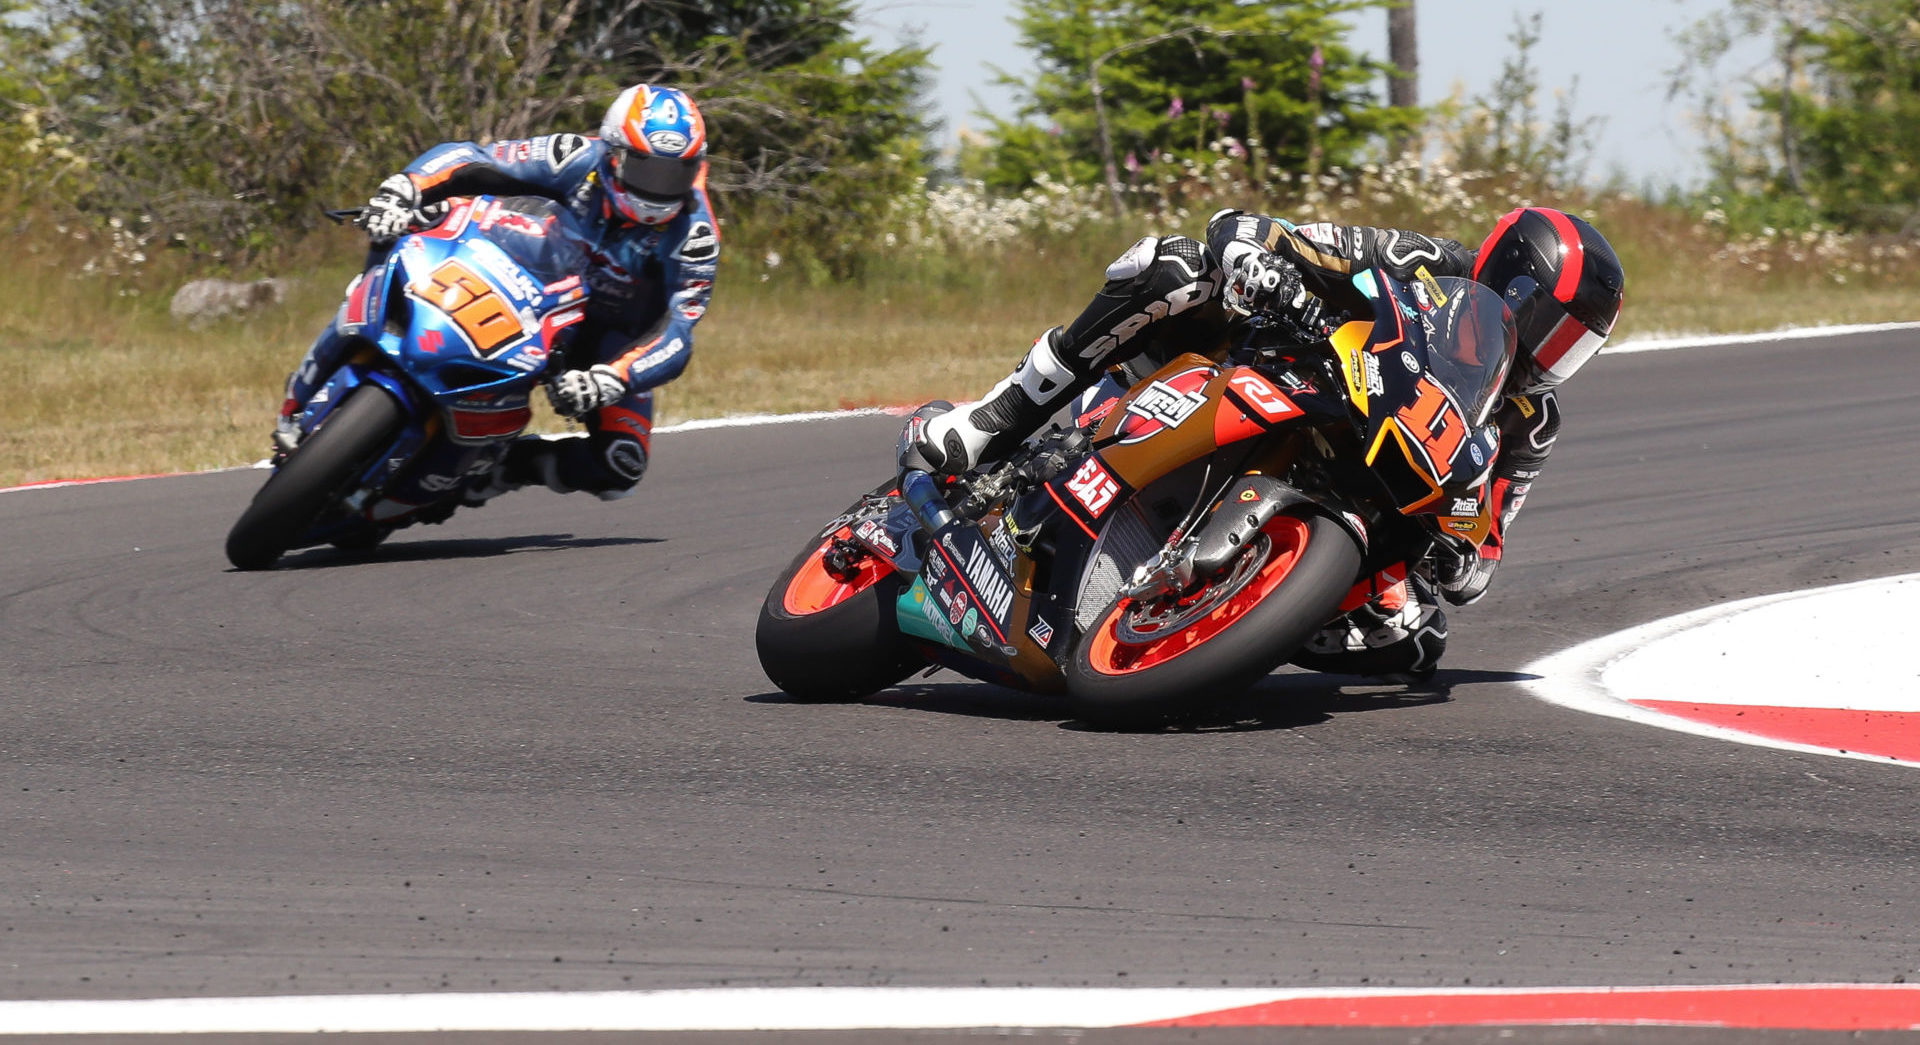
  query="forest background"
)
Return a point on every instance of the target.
[{"x": 143, "y": 144}]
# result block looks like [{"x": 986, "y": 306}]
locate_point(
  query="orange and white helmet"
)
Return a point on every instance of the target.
[{"x": 656, "y": 148}]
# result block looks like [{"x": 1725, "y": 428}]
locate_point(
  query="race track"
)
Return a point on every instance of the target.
[{"x": 531, "y": 749}]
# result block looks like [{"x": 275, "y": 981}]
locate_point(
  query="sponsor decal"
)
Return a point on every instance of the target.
[
  {"x": 970, "y": 624},
  {"x": 1164, "y": 404},
  {"x": 502, "y": 268},
  {"x": 1249, "y": 495},
  {"x": 1524, "y": 405},
  {"x": 1466, "y": 506},
  {"x": 1407, "y": 360},
  {"x": 1266, "y": 401},
  {"x": 701, "y": 244},
  {"x": 443, "y": 161},
  {"x": 989, "y": 581},
  {"x": 877, "y": 537},
  {"x": 937, "y": 568},
  {"x": 1370, "y": 363},
  {"x": 1479, "y": 456},
  {"x": 939, "y": 622},
  {"x": 660, "y": 355},
  {"x": 429, "y": 342},
  {"x": 438, "y": 483},
  {"x": 1042, "y": 632},
  {"x": 671, "y": 143},
  {"x": 1462, "y": 525},
  {"x": 1093, "y": 487},
  {"x": 693, "y": 310},
  {"x": 1002, "y": 543},
  {"x": 561, "y": 147},
  {"x": 1432, "y": 287}
]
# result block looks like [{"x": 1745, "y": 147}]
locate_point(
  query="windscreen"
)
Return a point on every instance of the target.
[
  {"x": 540, "y": 235},
  {"x": 1470, "y": 345}
]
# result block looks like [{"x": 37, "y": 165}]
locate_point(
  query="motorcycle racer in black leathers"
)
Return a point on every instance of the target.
[{"x": 1172, "y": 294}]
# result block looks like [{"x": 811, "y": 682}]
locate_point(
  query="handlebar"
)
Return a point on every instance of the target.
[
  {"x": 343, "y": 215},
  {"x": 923, "y": 496}
]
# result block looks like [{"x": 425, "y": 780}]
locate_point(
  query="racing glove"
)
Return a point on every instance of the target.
[
  {"x": 393, "y": 210},
  {"x": 576, "y": 393},
  {"x": 1258, "y": 281}
]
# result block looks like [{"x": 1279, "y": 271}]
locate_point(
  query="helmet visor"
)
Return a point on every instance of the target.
[
  {"x": 1559, "y": 344},
  {"x": 655, "y": 177}
]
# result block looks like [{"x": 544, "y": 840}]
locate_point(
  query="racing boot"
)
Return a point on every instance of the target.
[
  {"x": 1400, "y": 634},
  {"x": 607, "y": 466},
  {"x": 945, "y": 440}
]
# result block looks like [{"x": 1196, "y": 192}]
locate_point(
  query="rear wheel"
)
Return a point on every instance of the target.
[
  {"x": 827, "y": 637},
  {"x": 1144, "y": 663},
  {"x": 317, "y": 474}
]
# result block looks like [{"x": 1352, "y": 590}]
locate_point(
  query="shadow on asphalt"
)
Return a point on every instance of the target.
[
  {"x": 1291, "y": 700},
  {"x": 455, "y": 548}
]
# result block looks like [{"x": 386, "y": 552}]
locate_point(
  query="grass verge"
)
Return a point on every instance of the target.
[{"x": 109, "y": 384}]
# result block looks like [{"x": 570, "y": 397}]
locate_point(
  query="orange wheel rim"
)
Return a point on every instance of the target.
[
  {"x": 813, "y": 589},
  {"x": 1107, "y": 655}
]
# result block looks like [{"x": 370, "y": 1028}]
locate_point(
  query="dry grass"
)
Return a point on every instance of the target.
[{"x": 113, "y": 386}]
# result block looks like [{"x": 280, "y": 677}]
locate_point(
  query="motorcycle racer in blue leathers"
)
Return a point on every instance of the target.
[{"x": 639, "y": 189}]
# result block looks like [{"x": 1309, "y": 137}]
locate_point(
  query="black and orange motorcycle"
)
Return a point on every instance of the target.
[{"x": 1185, "y": 538}]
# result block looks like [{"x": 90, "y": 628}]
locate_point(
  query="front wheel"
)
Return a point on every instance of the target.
[
  {"x": 823, "y": 637},
  {"x": 1144, "y": 663},
  {"x": 314, "y": 476}
]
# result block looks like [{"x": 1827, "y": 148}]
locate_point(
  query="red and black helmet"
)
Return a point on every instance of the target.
[{"x": 1564, "y": 284}]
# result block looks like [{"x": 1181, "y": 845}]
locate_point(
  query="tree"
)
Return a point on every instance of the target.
[
  {"x": 1838, "y": 101},
  {"x": 229, "y": 123},
  {"x": 1274, "y": 79},
  {"x": 1507, "y": 131}
]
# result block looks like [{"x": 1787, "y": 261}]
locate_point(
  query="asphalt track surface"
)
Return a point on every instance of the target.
[{"x": 531, "y": 749}]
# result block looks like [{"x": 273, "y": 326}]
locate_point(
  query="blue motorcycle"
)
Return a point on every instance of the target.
[{"x": 453, "y": 328}]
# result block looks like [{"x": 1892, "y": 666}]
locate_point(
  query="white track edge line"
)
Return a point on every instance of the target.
[
  {"x": 825, "y": 1008},
  {"x": 758, "y": 420},
  {"x": 1571, "y": 677},
  {"x": 1663, "y": 344}
]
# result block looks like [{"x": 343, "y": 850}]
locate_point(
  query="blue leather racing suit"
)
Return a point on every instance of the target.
[{"x": 649, "y": 285}]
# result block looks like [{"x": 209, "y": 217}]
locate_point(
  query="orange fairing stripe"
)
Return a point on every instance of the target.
[{"x": 1392, "y": 427}]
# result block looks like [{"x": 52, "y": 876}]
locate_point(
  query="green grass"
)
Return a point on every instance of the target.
[{"x": 108, "y": 384}]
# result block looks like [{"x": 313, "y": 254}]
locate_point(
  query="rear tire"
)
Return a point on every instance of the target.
[
  {"x": 821, "y": 639},
  {"x": 314, "y": 476},
  {"x": 1310, "y": 563}
]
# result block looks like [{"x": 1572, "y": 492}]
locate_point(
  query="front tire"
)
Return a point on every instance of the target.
[
  {"x": 1125, "y": 673},
  {"x": 314, "y": 476},
  {"x": 821, "y": 638}
]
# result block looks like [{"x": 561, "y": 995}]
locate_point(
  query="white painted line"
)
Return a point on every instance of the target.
[
  {"x": 851, "y": 1008},
  {"x": 1836, "y": 1006},
  {"x": 1664, "y": 344},
  {"x": 757, "y": 420},
  {"x": 1839, "y": 646}
]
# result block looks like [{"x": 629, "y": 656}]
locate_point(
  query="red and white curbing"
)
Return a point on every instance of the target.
[
  {"x": 1833, "y": 1006},
  {"x": 1758, "y": 671}
]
